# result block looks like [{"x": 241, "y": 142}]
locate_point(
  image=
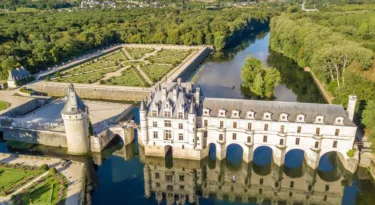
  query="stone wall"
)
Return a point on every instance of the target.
[
  {"x": 25, "y": 108},
  {"x": 49, "y": 138},
  {"x": 88, "y": 91}
]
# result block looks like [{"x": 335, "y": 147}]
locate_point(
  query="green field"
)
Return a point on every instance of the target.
[
  {"x": 4, "y": 105},
  {"x": 129, "y": 77},
  {"x": 169, "y": 56},
  {"x": 11, "y": 177},
  {"x": 157, "y": 72},
  {"x": 46, "y": 191},
  {"x": 138, "y": 53}
]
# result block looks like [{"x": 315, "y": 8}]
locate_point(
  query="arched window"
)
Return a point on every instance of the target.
[
  {"x": 281, "y": 141},
  {"x": 248, "y": 139}
]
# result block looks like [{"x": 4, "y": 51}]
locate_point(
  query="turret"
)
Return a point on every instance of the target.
[
  {"x": 197, "y": 95},
  {"x": 351, "y": 106},
  {"x": 192, "y": 118},
  {"x": 143, "y": 122},
  {"x": 76, "y": 122}
]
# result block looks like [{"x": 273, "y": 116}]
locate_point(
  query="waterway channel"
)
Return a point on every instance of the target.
[{"x": 123, "y": 175}]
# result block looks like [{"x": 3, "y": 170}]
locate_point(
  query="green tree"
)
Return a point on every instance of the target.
[{"x": 257, "y": 86}]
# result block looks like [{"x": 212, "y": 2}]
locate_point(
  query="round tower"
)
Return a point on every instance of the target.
[
  {"x": 192, "y": 125},
  {"x": 143, "y": 123},
  {"x": 76, "y": 122}
]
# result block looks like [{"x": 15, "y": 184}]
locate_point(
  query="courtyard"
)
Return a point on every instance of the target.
[{"x": 130, "y": 65}]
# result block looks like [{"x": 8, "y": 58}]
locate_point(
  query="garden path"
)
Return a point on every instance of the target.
[
  {"x": 149, "y": 81},
  {"x": 153, "y": 53},
  {"x": 113, "y": 74},
  {"x": 130, "y": 57}
]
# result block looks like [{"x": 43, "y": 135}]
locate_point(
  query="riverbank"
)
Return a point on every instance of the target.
[{"x": 328, "y": 97}]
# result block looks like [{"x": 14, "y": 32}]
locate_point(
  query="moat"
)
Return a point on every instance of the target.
[{"x": 122, "y": 175}]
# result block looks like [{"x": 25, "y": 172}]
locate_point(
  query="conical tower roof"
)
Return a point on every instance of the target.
[{"x": 73, "y": 104}]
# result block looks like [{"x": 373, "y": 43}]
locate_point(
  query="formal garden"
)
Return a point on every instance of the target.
[
  {"x": 13, "y": 177},
  {"x": 128, "y": 66}
]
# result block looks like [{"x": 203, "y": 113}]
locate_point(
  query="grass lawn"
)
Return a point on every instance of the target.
[
  {"x": 4, "y": 105},
  {"x": 169, "y": 56},
  {"x": 157, "y": 72},
  {"x": 11, "y": 178},
  {"x": 129, "y": 77},
  {"x": 138, "y": 53},
  {"x": 45, "y": 192}
]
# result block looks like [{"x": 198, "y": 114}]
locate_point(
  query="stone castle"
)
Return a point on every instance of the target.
[{"x": 176, "y": 119}]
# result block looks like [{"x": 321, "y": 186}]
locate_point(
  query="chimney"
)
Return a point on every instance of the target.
[
  {"x": 178, "y": 81},
  {"x": 197, "y": 95},
  {"x": 351, "y": 106},
  {"x": 164, "y": 94},
  {"x": 175, "y": 93}
]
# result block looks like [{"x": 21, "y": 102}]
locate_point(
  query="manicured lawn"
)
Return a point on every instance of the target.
[
  {"x": 138, "y": 53},
  {"x": 169, "y": 56},
  {"x": 129, "y": 77},
  {"x": 11, "y": 178},
  {"x": 46, "y": 191},
  {"x": 157, "y": 72},
  {"x": 4, "y": 105}
]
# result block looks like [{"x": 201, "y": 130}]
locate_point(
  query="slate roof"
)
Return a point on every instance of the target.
[
  {"x": 310, "y": 110},
  {"x": 73, "y": 104},
  {"x": 18, "y": 74}
]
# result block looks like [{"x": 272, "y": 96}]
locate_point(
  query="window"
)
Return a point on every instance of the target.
[
  {"x": 183, "y": 146},
  {"x": 337, "y": 132},
  {"x": 170, "y": 188},
  {"x": 220, "y": 136},
  {"x": 205, "y": 134},
  {"x": 327, "y": 187},
  {"x": 299, "y": 129},
  {"x": 261, "y": 181},
  {"x": 234, "y": 136},
  {"x": 291, "y": 184},
  {"x": 248, "y": 139},
  {"x": 180, "y": 126},
  {"x": 316, "y": 145},
  {"x": 169, "y": 178},
  {"x": 153, "y": 113},
  {"x": 265, "y": 127},
  {"x": 155, "y": 124},
  {"x": 157, "y": 185},
  {"x": 155, "y": 134},
  {"x": 181, "y": 136},
  {"x": 317, "y": 131},
  {"x": 205, "y": 123},
  {"x": 167, "y": 123},
  {"x": 221, "y": 124},
  {"x": 281, "y": 141},
  {"x": 335, "y": 144},
  {"x": 234, "y": 124},
  {"x": 180, "y": 115},
  {"x": 168, "y": 134},
  {"x": 249, "y": 126},
  {"x": 282, "y": 128},
  {"x": 182, "y": 178},
  {"x": 297, "y": 141},
  {"x": 167, "y": 114},
  {"x": 157, "y": 175},
  {"x": 265, "y": 138},
  {"x": 182, "y": 187}
]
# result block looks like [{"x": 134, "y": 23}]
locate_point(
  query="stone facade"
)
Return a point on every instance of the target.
[{"x": 176, "y": 117}]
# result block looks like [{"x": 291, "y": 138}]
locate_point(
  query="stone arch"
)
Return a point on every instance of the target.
[
  {"x": 263, "y": 160},
  {"x": 234, "y": 155},
  {"x": 247, "y": 151},
  {"x": 295, "y": 162},
  {"x": 212, "y": 155},
  {"x": 332, "y": 166}
]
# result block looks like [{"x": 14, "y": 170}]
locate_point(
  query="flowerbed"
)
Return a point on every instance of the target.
[
  {"x": 170, "y": 56},
  {"x": 138, "y": 53}
]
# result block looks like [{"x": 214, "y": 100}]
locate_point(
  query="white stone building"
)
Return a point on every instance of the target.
[
  {"x": 177, "y": 118},
  {"x": 16, "y": 76}
]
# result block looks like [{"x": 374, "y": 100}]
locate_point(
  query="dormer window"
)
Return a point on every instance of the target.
[
  {"x": 250, "y": 115},
  {"x": 154, "y": 113},
  {"x": 222, "y": 113},
  {"x": 206, "y": 112},
  {"x": 319, "y": 119},
  {"x": 167, "y": 114},
  {"x": 267, "y": 116},
  {"x": 235, "y": 114},
  {"x": 300, "y": 118},
  {"x": 283, "y": 117},
  {"x": 339, "y": 120},
  {"x": 167, "y": 105}
]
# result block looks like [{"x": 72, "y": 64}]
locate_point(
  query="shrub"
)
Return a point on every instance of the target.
[
  {"x": 351, "y": 153},
  {"x": 48, "y": 78},
  {"x": 44, "y": 167},
  {"x": 58, "y": 74},
  {"x": 52, "y": 171}
]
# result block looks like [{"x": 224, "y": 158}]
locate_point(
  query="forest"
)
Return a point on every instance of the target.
[
  {"x": 37, "y": 40},
  {"x": 339, "y": 49}
]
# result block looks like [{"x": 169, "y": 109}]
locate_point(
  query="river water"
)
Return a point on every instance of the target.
[{"x": 123, "y": 175}]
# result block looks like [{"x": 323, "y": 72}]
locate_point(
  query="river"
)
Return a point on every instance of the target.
[{"x": 123, "y": 175}]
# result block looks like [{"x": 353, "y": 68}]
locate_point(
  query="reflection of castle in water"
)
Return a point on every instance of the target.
[{"x": 181, "y": 181}]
